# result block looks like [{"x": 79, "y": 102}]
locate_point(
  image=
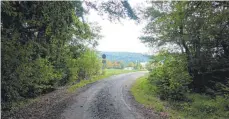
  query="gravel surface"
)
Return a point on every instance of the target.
[
  {"x": 108, "y": 99},
  {"x": 105, "y": 99}
]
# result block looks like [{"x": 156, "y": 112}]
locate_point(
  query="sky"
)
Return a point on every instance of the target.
[{"x": 119, "y": 37}]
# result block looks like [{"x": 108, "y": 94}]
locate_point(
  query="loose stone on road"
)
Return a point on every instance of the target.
[{"x": 107, "y": 99}]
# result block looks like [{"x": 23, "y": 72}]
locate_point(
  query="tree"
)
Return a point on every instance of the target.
[
  {"x": 114, "y": 9},
  {"x": 37, "y": 45},
  {"x": 121, "y": 65},
  {"x": 200, "y": 30},
  {"x": 109, "y": 64},
  {"x": 131, "y": 64}
]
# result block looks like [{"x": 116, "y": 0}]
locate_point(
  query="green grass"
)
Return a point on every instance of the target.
[
  {"x": 199, "y": 107},
  {"x": 144, "y": 93},
  {"x": 203, "y": 106},
  {"x": 108, "y": 73}
]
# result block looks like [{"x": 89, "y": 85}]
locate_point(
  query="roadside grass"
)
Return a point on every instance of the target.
[
  {"x": 144, "y": 93},
  {"x": 198, "y": 107},
  {"x": 108, "y": 73}
]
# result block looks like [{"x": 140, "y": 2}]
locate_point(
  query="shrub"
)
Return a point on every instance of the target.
[
  {"x": 170, "y": 76},
  {"x": 89, "y": 64},
  {"x": 204, "y": 106},
  {"x": 37, "y": 77}
]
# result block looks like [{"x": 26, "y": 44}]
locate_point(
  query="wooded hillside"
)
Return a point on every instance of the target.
[{"x": 126, "y": 57}]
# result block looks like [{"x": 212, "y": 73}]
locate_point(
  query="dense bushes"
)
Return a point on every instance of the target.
[
  {"x": 39, "y": 51},
  {"x": 170, "y": 81},
  {"x": 170, "y": 76},
  {"x": 89, "y": 64}
]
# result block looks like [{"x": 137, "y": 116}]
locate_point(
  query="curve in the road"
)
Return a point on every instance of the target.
[{"x": 106, "y": 99}]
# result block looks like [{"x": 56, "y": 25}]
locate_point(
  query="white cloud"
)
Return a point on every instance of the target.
[{"x": 118, "y": 36}]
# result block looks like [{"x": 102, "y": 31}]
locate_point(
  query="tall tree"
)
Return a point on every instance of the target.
[{"x": 201, "y": 30}]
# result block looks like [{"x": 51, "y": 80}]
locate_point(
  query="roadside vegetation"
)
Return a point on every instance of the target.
[
  {"x": 46, "y": 45},
  {"x": 38, "y": 54},
  {"x": 121, "y": 65},
  {"x": 190, "y": 78},
  {"x": 199, "y": 106}
]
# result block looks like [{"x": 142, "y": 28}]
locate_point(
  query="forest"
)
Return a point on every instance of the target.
[{"x": 192, "y": 72}]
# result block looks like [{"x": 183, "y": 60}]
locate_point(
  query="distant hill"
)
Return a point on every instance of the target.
[{"x": 126, "y": 57}]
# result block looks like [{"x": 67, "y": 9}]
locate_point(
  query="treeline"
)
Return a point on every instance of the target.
[
  {"x": 43, "y": 46},
  {"x": 136, "y": 65},
  {"x": 126, "y": 57},
  {"x": 122, "y": 65},
  {"x": 198, "y": 62},
  {"x": 114, "y": 64}
]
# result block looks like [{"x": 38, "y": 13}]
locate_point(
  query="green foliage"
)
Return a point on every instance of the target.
[
  {"x": 202, "y": 106},
  {"x": 193, "y": 81},
  {"x": 43, "y": 76},
  {"x": 114, "y": 64},
  {"x": 196, "y": 107},
  {"x": 138, "y": 66},
  {"x": 45, "y": 44},
  {"x": 114, "y": 9},
  {"x": 170, "y": 76},
  {"x": 145, "y": 93},
  {"x": 131, "y": 64},
  {"x": 39, "y": 51},
  {"x": 89, "y": 64},
  {"x": 198, "y": 29}
]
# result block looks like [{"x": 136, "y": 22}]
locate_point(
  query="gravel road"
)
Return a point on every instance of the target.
[
  {"x": 108, "y": 99},
  {"x": 105, "y": 99}
]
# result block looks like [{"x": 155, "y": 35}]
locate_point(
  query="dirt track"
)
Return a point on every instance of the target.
[{"x": 106, "y": 99}]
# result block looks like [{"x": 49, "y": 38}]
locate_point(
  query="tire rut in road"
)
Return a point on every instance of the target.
[
  {"x": 102, "y": 106},
  {"x": 108, "y": 99}
]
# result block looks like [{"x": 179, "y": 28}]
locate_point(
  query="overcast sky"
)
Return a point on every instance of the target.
[{"x": 121, "y": 37}]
